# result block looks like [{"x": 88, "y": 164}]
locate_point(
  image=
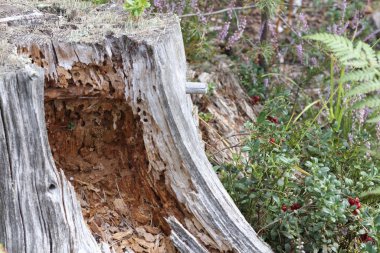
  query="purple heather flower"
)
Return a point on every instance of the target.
[
  {"x": 224, "y": 31},
  {"x": 181, "y": 7},
  {"x": 350, "y": 138},
  {"x": 343, "y": 29},
  {"x": 237, "y": 34},
  {"x": 303, "y": 20},
  {"x": 299, "y": 50},
  {"x": 170, "y": 7},
  {"x": 272, "y": 30},
  {"x": 314, "y": 62},
  {"x": 202, "y": 18},
  {"x": 355, "y": 21},
  {"x": 194, "y": 4},
  {"x": 230, "y": 6},
  {"x": 159, "y": 4},
  {"x": 361, "y": 115}
]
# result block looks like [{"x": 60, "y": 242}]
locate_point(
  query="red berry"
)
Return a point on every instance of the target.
[
  {"x": 351, "y": 201},
  {"x": 273, "y": 119},
  {"x": 295, "y": 206},
  {"x": 272, "y": 140},
  {"x": 366, "y": 238},
  {"x": 358, "y": 205},
  {"x": 284, "y": 208},
  {"x": 255, "y": 99}
]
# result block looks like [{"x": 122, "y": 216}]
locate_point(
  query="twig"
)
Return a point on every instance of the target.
[
  {"x": 20, "y": 17},
  {"x": 372, "y": 35},
  {"x": 241, "y": 8},
  {"x": 280, "y": 219},
  {"x": 229, "y": 147},
  {"x": 219, "y": 11}
]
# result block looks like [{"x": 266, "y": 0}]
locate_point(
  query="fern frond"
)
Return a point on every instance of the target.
[
  {"x": 370, "y": 54},
  {"x": 364, "y": 88},
  {"x": 375, "y": 119},
  {"x": 371, "y": 196},
  {"x": 361, "y": 75},
  {"x": 357, "y": 64},
  {"x": 371, "y": 102},
  {"x": 341, "y": 47},
  {"x": 344, "y": 50}
]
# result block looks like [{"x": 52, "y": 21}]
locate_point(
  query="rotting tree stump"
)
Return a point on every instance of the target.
[{"x": 120, "y": 126}]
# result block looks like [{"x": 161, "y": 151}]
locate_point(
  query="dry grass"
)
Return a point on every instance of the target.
[
  {"x": 9, "y": 60},
  {"x": 82, "y": 21}
]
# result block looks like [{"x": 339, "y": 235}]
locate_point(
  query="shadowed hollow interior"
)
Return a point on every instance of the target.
[{"x": 99, "y": 145}]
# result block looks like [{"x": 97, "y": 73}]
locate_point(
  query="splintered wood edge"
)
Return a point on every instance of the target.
[{"x": 182, "y": 239}]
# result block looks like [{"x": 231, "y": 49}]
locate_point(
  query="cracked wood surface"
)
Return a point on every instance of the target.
[
  {"x": 146, "y": 69},
  {"x": 38, "y": 208}
]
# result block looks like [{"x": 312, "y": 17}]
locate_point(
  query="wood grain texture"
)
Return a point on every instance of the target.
[
  {"x": 38, "y": 208},
  {"x": 147, "y": 69},
  {"x": 188, "y": 171}
]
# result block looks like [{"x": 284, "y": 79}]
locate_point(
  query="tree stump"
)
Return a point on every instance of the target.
[{"x": 120, "y": 126}]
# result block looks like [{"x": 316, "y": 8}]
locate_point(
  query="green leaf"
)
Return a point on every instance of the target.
[
  {"x": 371, "y": 102},
  {"x": 370, "y": 54},
  {"x": 371, "y": 196},
  {"x": 361, "y": 75},
  {"x": 364, "y": 88},
  {"x": 375, "y": 119}
]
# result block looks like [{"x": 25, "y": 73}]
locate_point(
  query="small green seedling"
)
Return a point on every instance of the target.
[
  {"x": 206, "y": 116},
  {"x": 211, "y": 88},
  {"x": 136, "y": 7},
  {"x": 71, "y": 127}
]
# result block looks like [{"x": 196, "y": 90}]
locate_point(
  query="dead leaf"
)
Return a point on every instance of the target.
[
  {"x": 147, "y": 236},
  {"x": 121, "y": 235},
  {"x": 120, "y": 206},
  {"x": 152, "y": 230}
]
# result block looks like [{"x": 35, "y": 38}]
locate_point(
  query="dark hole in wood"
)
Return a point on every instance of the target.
[{"x": 52, "y": 187}]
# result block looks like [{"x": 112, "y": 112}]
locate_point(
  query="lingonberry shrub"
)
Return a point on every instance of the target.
[{"x": 302, "y": 188}]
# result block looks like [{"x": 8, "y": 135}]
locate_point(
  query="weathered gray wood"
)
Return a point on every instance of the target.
[
  {"x": 38, "y": 208},
  {"x": 188, "y": 171},
  {"x": 182, "y": 239},
  {"x": 33, "y": 15}
]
